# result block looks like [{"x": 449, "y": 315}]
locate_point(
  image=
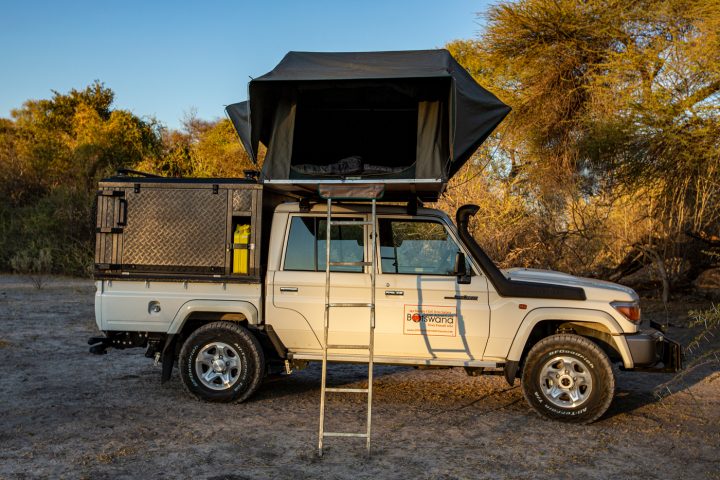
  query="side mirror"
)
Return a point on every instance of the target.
[{"x": 461, "y": 269}]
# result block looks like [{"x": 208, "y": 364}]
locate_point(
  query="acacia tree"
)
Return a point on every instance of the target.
[{"x": 611, "y": 99}]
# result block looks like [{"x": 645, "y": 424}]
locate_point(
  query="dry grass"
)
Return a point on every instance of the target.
[{"x": 90, "y": 416}]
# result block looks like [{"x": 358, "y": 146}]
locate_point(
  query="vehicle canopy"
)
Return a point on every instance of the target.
[{"x": 409, "y": 118}]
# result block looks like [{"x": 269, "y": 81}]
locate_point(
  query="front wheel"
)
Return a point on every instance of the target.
[
  {"x": 568, "y": 378},
  {"x": 221, "y": 362}
]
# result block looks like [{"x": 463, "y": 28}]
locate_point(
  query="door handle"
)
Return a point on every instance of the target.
[
  {"x": 462, "y": 297},
  {"x": 288, "y": 289},
  {"x": 122, "y": 221},
  {"x": 394, "y": 292}
]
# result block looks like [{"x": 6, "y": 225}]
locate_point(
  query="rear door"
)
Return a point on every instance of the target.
[{"x": 298, "y": 307}]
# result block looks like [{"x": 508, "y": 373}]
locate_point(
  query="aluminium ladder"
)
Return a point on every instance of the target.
[{"x": 328, "y": 306}]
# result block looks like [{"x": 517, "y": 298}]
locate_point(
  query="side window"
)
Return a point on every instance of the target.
[
  {"x": 300, "y": 253},
  {"x": 416, "y": 247},
  {"x": 306, "y": 245}
]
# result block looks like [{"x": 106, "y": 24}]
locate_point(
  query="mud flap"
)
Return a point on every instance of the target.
[
  {"x": 168, "y": 357},
  {"x": 511, "y": 368}
]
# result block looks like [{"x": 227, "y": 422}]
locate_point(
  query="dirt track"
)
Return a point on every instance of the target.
[{"x": 67, "y": 413}]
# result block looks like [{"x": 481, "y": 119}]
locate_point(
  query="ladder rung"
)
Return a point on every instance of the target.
[
  {"x": 349, "y": 222},
  {"x": 349, "y": 347},
  {"x": 343, "y": 434},
  {"x": 349, "y": 305},
  {"x": 346, "y": 390},
  {"x": 351, "y": 264}
]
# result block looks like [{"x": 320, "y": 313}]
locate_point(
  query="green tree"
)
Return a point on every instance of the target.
[
  {"x": 611, "y": 100},
  {"x": 75, "y": 138},
  {"x": 201, "y": 149},
  {"x": 52, "y": 153}
]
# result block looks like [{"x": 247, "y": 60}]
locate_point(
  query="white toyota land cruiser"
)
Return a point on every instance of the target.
[{"x": 173, "y": 277}]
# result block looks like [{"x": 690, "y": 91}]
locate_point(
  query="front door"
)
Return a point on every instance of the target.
[{"x": 422, "y": 310}]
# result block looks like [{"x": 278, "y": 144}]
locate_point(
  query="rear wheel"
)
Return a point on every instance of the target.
[
  {"x": 221, "y": 362},
  {"x": 568, "y": 378}
]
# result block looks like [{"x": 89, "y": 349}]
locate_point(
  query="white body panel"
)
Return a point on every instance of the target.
[{"x": 126, "y": 305}]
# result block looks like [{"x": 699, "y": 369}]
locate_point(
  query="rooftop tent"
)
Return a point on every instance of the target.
[{"x": 409, "y": 119}]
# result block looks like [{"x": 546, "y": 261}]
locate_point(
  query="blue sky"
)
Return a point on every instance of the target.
[{"x": 163, "y": 59}]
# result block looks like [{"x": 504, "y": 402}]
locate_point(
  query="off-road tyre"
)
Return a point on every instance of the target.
[
  {"x": 238, "y": 342},
  {"x": 585, "y": 360}
]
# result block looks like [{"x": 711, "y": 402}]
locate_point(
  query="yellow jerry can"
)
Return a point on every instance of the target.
[{"x": 240, "y": 255}]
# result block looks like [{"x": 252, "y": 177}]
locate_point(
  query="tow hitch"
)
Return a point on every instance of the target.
[
  {"x": 99, "y": 345},
  {"x": 122, "y": 340}
]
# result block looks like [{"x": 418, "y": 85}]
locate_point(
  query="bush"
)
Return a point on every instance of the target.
[
  {"x": 60, "y": 223},
  {"x": 35, "y": 262}
]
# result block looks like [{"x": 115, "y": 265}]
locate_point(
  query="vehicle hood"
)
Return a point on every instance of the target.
[{"x": 594, "y": 289}]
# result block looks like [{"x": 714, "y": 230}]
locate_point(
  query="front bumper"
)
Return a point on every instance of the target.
[{"x": 652, "y": 351}]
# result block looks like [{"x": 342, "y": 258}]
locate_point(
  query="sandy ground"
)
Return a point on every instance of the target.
[{"x": 65, "y": 413}]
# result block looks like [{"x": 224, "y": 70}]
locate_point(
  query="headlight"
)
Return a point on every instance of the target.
[{"x": 629, "y": 310}]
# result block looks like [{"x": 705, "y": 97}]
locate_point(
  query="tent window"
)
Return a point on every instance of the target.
[
  {"x": 354, "y": 140},
  {"x": 368, "y": 130}
]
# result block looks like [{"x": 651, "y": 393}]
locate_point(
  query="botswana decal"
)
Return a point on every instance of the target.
[{"x": 433, "y": 320}]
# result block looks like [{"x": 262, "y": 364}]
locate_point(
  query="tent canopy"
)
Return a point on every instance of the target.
[{"x": 407, "y": 116}]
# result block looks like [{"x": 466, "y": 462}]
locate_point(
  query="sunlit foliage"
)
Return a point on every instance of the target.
[
  {"x": 609, "y": 161},
  {"x": 613, "y": 141}
]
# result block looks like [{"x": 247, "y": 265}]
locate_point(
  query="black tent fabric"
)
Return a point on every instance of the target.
[{"x": 402, "y": 116}]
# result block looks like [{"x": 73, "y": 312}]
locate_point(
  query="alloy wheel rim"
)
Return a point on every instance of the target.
[
  {"x": 566, "y": 381},
  {"x": 217, "y": 366}
]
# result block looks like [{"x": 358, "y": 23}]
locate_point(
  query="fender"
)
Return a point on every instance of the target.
[
  {"x": 246, "y": 309},
  {"x": 578, "y": 315}
]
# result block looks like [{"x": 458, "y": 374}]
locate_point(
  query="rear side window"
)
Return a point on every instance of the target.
[
  {"x": 416, "y": 247},
  {"x": 306, "y": 245}
]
